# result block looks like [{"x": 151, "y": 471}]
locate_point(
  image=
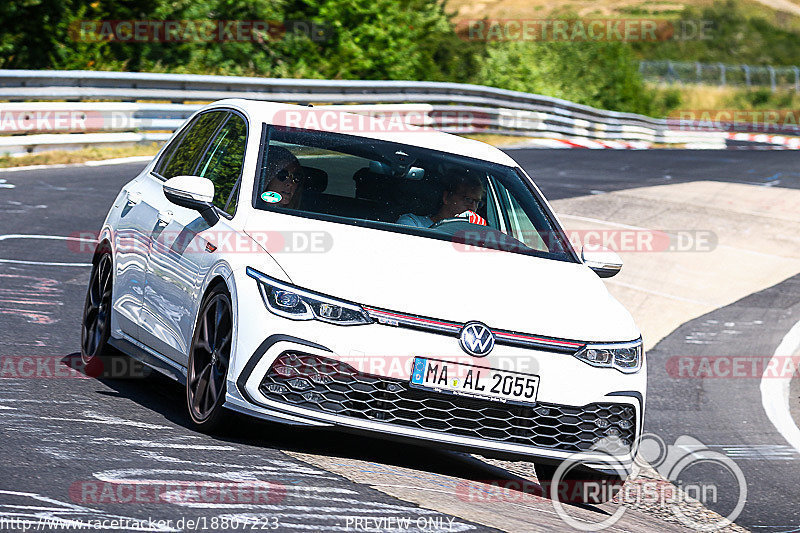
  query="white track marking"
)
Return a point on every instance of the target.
[
  {"x": 152, "y": 444},
  {"x": 657, "y": 293},
  {"x": 604, "y": 222},
  {"x": 51, "y": 237},
  {"x": 775, "y": 390},
  {"x": 761, "y": 452},
  {"x": 94, "y": 419},
  {"x": 120, "y": 160},
  {"x": 43, "y": 263},
  {"x": 105, "y": 419},
  {"x": 281, "y": 468},
  {"x": 6, "y": 185},
  {"x": 29, "y": 400},
  {"x": 136, "y": 476},
  {"x": 639, "y": 228},
  {"x": 305, "y": 510},
  {"x": 104, "y": 162}
]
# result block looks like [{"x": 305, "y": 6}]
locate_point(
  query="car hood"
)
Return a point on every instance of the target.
[{"x": 438, "y": 279}]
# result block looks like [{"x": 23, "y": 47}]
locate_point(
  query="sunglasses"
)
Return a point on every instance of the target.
[
  {"x": 479, "y": 203},
  {"x": 295, "y": 176}
]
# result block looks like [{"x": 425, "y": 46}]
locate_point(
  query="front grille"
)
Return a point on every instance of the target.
[{"x": 330, "y": 386}]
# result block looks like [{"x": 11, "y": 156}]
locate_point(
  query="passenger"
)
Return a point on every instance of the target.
[
  {"x": 462, "y": 197},
  {"x": 284, "y": 176}
]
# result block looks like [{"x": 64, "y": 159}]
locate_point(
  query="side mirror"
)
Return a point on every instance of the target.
[
  {"x": 605, "y": 263},
  {"x": 193, "y": 192}
]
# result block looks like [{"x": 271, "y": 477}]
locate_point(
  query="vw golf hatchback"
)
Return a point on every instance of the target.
[{"x": 316, "y": 268}]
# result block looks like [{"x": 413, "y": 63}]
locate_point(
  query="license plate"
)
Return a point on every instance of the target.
[{"x": 474, "y": 381}]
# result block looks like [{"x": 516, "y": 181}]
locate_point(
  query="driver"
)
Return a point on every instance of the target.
[
  {"x": 462, "y": 197},
  {"x": 284, "y": 178}
]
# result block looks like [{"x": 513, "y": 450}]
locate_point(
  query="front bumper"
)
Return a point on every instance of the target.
[
  {"x": 377, "y": 399},
  {"x": 294, "y": 381}
]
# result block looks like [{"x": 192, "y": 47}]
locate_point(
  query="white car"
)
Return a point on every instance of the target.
[{"x": 401, "y": 282}]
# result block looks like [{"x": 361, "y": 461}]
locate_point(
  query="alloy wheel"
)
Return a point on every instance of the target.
[
  {"x": 208, "y": 363},
  {"x": 97, "y": 310}
]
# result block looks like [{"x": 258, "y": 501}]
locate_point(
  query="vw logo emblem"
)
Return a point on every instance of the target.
[{"x": 476, "y": 339}]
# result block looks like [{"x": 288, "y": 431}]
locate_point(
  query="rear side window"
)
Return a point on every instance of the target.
[
  {"x": 181, "y": 156},
  {"x": 223, "y": 160}
]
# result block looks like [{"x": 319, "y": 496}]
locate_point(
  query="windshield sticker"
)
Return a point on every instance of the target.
[{"x": 271, "y": 197}]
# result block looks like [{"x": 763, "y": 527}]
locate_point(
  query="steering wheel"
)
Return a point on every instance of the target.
[
  {"x": 478, "y": 234},
  {"x": 445, "y": 221}
]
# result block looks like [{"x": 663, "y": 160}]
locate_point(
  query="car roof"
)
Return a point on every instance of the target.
[{"x": 377, "y": 128}]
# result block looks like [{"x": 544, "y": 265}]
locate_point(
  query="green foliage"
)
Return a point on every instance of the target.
[
  {"x": 666, "y": 100},
  {"x": 362, "y": 39},
  {"x": 763, "y": 99},
  {"x": 376, "y": 39},
  {"x": 735, "y": 36},
  {"x": 601, "y": 74}
]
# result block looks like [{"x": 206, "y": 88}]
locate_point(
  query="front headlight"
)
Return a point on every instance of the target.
[
  {"x": 295, "y": 303},
  {"x": 625, "y": 357}
]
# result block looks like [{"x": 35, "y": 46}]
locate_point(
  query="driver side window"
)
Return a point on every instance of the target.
[
  {"x": 180, "y": 158},
  {"x": 515, "y": 222},
  {"x": 223, "y": 160}
]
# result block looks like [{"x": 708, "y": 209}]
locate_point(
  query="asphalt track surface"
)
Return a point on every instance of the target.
[
  {"x": 568, "y": 173},
  {"x": 63, "y": 435}
]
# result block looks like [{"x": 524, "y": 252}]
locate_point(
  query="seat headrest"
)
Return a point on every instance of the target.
[{"x": 316, "y": 179}]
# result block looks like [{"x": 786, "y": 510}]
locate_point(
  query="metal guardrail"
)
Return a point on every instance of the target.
[{"x": 452, "y": 107}]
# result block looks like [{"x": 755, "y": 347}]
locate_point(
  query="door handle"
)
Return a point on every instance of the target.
[
  {"x": 164, "y": 217},
  {"x": 134, "y": 197}
]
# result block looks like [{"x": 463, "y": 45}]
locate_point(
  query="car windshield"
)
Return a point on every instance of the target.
[{"x": 406, "y": 189}]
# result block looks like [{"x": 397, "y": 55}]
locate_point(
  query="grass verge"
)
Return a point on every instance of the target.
[
  {"x": 62, "y": 157},
  {"x": 496, "y": 139}
]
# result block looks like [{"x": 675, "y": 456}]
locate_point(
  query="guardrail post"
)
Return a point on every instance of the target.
[
  {"x": 796, "y": 79},
  {"x": 698, "y": 70},
  {"x": 722, "y": 79},
  {"x": 772, "y": 83},
  {"x": 746, "y": 75}
]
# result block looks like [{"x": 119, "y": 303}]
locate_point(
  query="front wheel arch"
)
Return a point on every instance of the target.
[{"x": 104, "y": 247}]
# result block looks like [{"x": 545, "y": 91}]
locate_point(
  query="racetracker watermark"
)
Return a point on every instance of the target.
[
  {"x": 781, "y": 121},
  {"x": 732, "y": 367},
  {"x": 618, "y": 240},
  {"x": 404, "y": 118},
  {"x": 461, "y": 367},
  {"x": 65, "y": 117},
  {"x": 195, "y": 31},
  {"x": 71, "y": 366},
  {"x": 177, "y": 492},
  {"x": 18, "y": 120},
  {"x": 210, "y": 241},
  {"x": 640, "y": 492},
  {"x": 584, "y": 30}
]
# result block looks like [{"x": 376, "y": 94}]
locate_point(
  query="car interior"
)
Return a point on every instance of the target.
[{"x": 358, "y": 187}]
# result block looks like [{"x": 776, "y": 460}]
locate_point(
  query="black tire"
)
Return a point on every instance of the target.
[
  {"x": 209, "y": 358},
  {"x": 580, "y": 485},
  {"x": 96, "y": 321}
]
